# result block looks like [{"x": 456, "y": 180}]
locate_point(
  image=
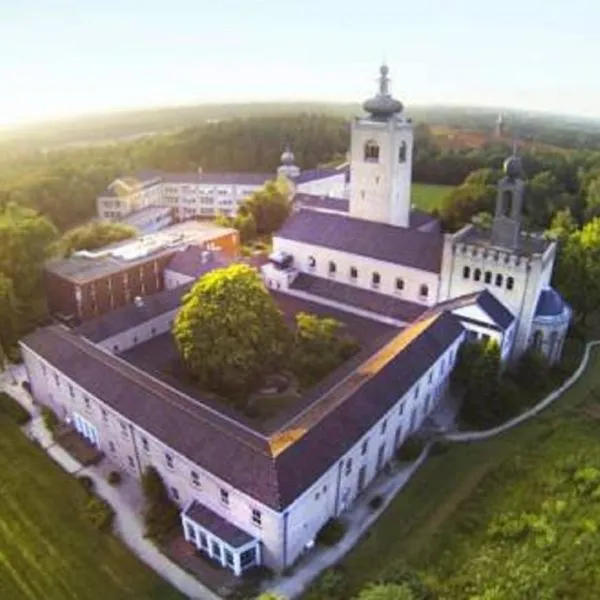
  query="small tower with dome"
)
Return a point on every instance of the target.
[
  {"x": 288, "y": 168},
  {"x": 514, "y": 265},
  {"x": 506, "y": 229},
  {"x": 381, "y": 159}
]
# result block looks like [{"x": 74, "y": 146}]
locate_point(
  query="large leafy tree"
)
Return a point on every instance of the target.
[
  {"x": 229, "y": 331},
  {"x": 577, "y": 272},
  {"x": 270, "y": 207},
  {"x": 26, "y": 239},
  {"x": 9, "y": 317},
  {"x": 320, "y": 345}
]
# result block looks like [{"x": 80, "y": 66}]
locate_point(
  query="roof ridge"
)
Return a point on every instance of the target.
[{"x": 91, "y": 349}]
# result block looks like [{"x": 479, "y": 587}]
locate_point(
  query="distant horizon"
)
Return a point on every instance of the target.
[{"x": 116, "y": 111}]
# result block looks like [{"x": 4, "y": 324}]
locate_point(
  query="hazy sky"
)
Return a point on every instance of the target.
[{"x": 61, "y": 57}]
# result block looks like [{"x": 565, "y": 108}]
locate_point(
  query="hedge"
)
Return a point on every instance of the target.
[{"x": 13, "y": 410}]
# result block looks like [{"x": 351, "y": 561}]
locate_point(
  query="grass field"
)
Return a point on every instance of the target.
[
  {"x": 46, "y": 549},
  {"x": 440, "y": 524},
  {"x": 427, "y": 196}
]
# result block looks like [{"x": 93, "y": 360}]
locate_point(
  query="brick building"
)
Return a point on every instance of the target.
[{"x": 89, "y": 284}]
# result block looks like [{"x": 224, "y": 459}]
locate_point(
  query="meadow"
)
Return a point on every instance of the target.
[
  {"x": 514, "y": 517},
  {"x": 428, "y": 197},
  {"x": 47, "y": 550}
]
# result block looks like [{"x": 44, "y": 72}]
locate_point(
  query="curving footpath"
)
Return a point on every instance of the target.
[{"x": 473, "y": 436}]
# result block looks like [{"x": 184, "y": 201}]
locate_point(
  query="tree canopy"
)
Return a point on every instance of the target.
[
  {"x": 95, "y": 235},
  {"x": 577, "y": 271},
  {"x": 229, "y": 331}
]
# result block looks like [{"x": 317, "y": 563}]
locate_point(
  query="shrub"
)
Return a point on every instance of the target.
[
  {"x": 331, "y": 584},
  {"x": 26, "y": 386},
  {"x": 376, "y": 502},
  {"x": 13, "y": 410},
  {"x": 161, "y": 514},
  {"x": 87, "y": 483},
  {"x": 114, "y": 478},
  {"x": 50, "y": 419},
  {"x": 400, "y": 573},
  {"x": 14, "y": 355},
  {"x": 331, "y": 533},
  {"x": 98, "y": 513},
  {"x": 410, "y": 450}
]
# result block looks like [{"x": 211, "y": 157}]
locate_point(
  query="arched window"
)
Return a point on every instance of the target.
[
  {"x": 402, "y": 152},
  {"x": 477, "y": 275},
  {"x": 507, "y": 201},
  {"x": 510, "y": 283},
  {"x": 399, "y": 284},
  {"x": 552, "y": 345},
  {"x": 376, "y": 279},
  {"x": 466, "y": 272},
  {"x": 538, "y": 338},
  {"x": 499, "y": 279},
  {"x": 312, "y": 262},
  {"x": 488, "y": 277},
  {"x": 332, "y": 268},
  {"x": 423, "y": 291},
  {"x": 353, "y": 273},
  {"x": 371, "y": 151}
]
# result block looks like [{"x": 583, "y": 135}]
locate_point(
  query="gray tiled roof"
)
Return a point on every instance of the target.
[
  {"x": 357, "y": 297},
  {"x": 217, "y": 525},
  {"x": 257, "y": 179},
  {"x": 326, "y": 202},
  {"x": 126, "y": 317},
  {"x": 316, "y": 174},
  {"x": 276, "y": 469},
  {"x": 398, "y": 245},
  {"x": 191, "y": 262}
]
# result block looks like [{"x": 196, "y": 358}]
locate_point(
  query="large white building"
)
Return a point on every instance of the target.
[
  {"x": 138, "y": 200},
  {"x": 259, "y": 493}
]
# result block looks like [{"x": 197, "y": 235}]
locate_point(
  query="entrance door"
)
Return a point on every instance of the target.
[{"x": 86, "y": 429}]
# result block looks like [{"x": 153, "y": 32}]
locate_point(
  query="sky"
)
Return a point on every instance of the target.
[{"x": 67, "y": 57}]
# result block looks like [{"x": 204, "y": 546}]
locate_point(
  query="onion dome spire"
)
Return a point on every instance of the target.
[{"x": 383, "y": 105}]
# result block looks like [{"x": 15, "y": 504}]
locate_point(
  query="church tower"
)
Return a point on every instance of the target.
[
  {"x": 381, "y": 160},
  {"x": 506, "y": 228}
]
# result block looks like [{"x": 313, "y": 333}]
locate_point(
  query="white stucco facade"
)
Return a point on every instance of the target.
[
  {"x": 395, "y": 280},
  {"x": 282, "y": 535}
]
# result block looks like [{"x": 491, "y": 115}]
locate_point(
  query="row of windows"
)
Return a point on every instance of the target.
[
  {"x": 124, "y": 426},
  {"x": 488, "y": 277},
  {"x": 496, "y": 254},
  {"x": 375, "y": 277}
]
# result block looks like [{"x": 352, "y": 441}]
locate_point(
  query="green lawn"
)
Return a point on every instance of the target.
[
  {"x": 514, "y": 517},
  {"x": 46, "y": 550},
  {"x": 427, "y": 196}
]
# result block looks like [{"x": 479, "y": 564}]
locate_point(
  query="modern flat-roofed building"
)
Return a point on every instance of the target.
[{"x": 88, "y": 284}]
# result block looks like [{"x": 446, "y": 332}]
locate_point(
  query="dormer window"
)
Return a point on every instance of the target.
[{"x": 371, "y": 151}]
